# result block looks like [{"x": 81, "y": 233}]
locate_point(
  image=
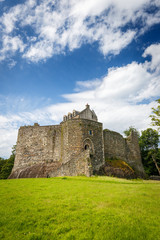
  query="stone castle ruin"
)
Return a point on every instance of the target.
[{"x": 77, "y": 146}]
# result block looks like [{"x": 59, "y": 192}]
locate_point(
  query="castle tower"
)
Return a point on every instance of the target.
[{"x": 82, "y": 140}]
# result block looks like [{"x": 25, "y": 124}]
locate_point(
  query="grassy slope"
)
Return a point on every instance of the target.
[{"x": 79, "y": 208}]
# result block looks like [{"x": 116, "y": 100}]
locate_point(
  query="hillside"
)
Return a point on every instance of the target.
[{"x": 79, "y": 208}]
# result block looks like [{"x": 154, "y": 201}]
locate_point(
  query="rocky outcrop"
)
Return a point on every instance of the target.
[
  {"x": 41, "y": 170},
  {"x": 117, "y": 168}
]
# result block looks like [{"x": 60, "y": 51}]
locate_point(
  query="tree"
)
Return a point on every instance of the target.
[
  {"x": 149, "y": 139},
  {"x": 155, "y": 117},
  {"x": 14, "y": 150},
  {"x": 149, "y": 150},
  {"x": 7, "y": 165},
  {"x": 127, "y": 132},
  {"x": 2, "y": 162}
]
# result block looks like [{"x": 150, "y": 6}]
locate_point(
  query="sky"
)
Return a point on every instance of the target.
[{"x": 59, "y": 55}]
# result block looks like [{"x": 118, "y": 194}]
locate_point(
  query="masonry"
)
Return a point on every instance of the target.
[
  {"x": 77, "y": 146},
  {"x": 126, "y": 149}
]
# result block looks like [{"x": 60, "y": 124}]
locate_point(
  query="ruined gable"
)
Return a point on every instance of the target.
[{"x": 87, "y": 113}]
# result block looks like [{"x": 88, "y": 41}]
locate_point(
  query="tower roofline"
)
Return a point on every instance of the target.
[{"x": 86, "y": 113}]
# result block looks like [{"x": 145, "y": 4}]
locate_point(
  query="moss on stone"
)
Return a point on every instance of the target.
[
  {"x": 106, "y": 130},
  {"x": 117, "y": 163}
]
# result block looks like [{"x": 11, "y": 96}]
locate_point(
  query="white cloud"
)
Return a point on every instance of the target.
[
  {"x": 41, "y": 50},
  {"x": 154, "y": 52},
  {"x": 7, "y": 140},
  {"x": 129, "y": 83},
  {"x": 113, "y": 43},
  {"x": 80, "y": 85},
  {"x": 10, "y": 46},
  {"x": 57, "y": 25}
]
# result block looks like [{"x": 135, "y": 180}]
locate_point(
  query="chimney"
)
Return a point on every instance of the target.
[{"x": 87, "y": 106}]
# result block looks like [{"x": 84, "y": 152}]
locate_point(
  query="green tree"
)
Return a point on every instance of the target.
[
  {"x": 2, "y": 162},
  {"x": 14, "y": 150},
  {"x": 127, "y": 132},
  {"x": 7, "y": 165},
  {"x": 149, "y": 150},
  {"x": 155, "y": 117}
]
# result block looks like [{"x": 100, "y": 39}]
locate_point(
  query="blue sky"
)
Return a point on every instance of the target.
[{"x": 56, "y": 56}]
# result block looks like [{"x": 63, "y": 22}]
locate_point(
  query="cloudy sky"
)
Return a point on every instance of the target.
[{"x": 58, "y": 55}]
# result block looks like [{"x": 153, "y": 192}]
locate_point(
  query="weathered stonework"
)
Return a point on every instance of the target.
[
  {"x": 126, "y": 149},
  {"x": 78, "y": 146}
]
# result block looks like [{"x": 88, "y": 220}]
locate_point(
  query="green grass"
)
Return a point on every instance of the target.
[{"x": 79, "y": 208}]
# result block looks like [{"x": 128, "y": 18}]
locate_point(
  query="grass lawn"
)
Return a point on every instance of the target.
[{"x": 79, "y": 208}]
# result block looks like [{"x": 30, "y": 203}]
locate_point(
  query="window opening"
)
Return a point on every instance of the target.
[
  {"x": 86, "y": 147},
  {"x": 90, "y": 132}
]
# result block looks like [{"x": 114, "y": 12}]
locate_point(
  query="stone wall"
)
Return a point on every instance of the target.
[
  {"x": 134, "y": 155},
  {"x": 75, "y": 167},
  {"x": 37, "y": 145},
  {"x": 126, "y": 149},
  {"x": 78, "y": 134},
  {"x": 114, "y": 145}
]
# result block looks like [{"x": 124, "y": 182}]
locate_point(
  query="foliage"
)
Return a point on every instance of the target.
[
  {"x": 127, "y": 132},
  {"x": 2, "y": 162},
  {"x": 148, "y": 163},
  {"x": 149, "y": 150},
  {"x": 6, "y": 165},
  {"x": 79, "y": 208},
  {"x": 149, "y": 140},
  {"x": 155, "y": 117},
  {"x": 14, "y": 150}
]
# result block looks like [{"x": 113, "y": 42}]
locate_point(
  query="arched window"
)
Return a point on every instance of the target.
[
  {"x": 88, "y": 144},
  {"x": 86, "y": 147},
  {"x": 91, "y": 132}
]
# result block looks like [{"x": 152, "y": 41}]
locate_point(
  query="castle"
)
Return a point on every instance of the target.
[{"x": 77, "y": 146}]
